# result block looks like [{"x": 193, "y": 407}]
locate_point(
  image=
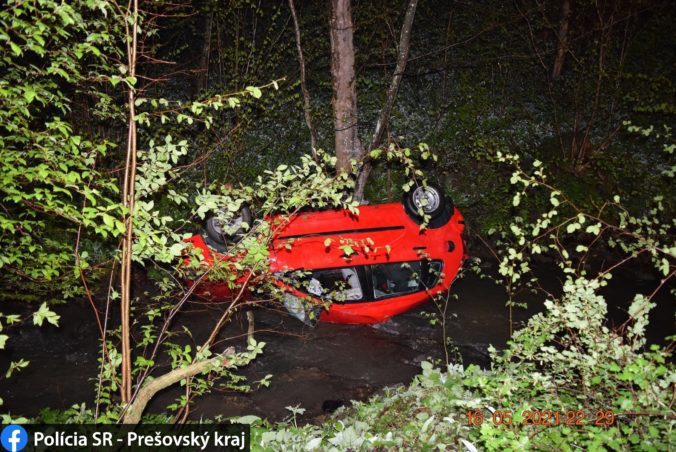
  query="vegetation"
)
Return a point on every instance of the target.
[
  {"x": 566, "y": 380},
  {"x": 125, "y": 125}
]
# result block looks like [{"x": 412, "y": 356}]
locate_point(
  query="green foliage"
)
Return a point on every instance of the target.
[
  {"x": 224, "y": 378},
  {"x": 570, "y": 233},
  {"x": 533, "y": 374},
  {"x": 156, "y": 240},
  {"x": 52, "y": 195},
  {"x": 154, "y": 237},
  {"x": 565, "y": 381},
  {"x": 566, "y": 359},
  {"x": 310, "y": 184}
]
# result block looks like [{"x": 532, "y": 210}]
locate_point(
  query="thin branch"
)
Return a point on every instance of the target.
[
  {"x": 383, "y": 118},
  {"x": 307, "y": 108},
  {"x": 404, "y": 47},
  {"x": 128, "y": 201},
  {"x": 562, "y": 36}
]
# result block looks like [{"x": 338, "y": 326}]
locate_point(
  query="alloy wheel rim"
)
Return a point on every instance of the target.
[{"x": 426, "y": 198}]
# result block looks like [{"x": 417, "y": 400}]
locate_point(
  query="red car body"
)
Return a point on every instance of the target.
[{"x": 382, "y": 238}]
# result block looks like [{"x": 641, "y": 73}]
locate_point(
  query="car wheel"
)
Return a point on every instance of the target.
[
  {"x": 220, "y": 233},
  {"x": 444, "y": 217},
  {"x": 432, "y": 201}
]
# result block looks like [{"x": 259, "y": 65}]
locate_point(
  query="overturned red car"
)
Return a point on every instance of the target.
[{"x": 366, "y": 268}]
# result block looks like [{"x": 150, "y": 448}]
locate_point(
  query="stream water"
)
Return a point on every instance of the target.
[{"x": 317, "y": 369}]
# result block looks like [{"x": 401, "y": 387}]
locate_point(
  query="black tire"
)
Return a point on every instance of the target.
[
  {"x": 445, "y": 216},
  {"x": 437, "y": 205},
  {"x": 216, "y": 234}
]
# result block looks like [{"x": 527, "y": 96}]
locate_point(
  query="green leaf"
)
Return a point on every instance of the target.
[
  {"x": 254, "y": 91},
  {"x": 347, "y": 249},
  {"x": 176, "y": 249},
  {"x": 44, "y": 313},
  {"x": 108, "y": 220},
  {"x": 15, "y": 48},
  {"x": 248, "y": 419},
  {"x": 664, "y": 266},
  {"x": 572, "y": 227},
  {"x": 517, "y": 199},
  {"x": 594, "y": 229},
  {"x": 16, "y": 366},
  {"x": 29, "y": 94}
]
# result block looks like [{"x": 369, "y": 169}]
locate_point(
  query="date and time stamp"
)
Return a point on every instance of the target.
[{"x": 542, "y": 418}]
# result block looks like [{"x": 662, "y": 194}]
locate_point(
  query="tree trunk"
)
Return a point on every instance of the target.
[
  {"x": 563, "y": 40},
  {"x": 201, "y": 79},
  {"x": 345, "y": 113}
]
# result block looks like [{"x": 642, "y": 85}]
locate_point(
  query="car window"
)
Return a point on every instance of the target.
[
  {"x": 336, "y": 284},
  {"x": 404, "y": 277}
]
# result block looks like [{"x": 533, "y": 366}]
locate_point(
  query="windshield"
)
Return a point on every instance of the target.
[{"x": 367, "y": 282}]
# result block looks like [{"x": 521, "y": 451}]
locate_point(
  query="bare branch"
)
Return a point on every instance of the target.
[
  {"x": 307, "y": 108},
  {"x": 383, "y": 118},
  {"x": 563, "y": 40},
  {"x": 404, "y": 47},
  {"x": 128, "y": 202},
  {"x": 135, "y": 410}
]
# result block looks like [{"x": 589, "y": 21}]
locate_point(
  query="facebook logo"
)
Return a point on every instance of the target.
[{"x": 14, "y": 438}]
